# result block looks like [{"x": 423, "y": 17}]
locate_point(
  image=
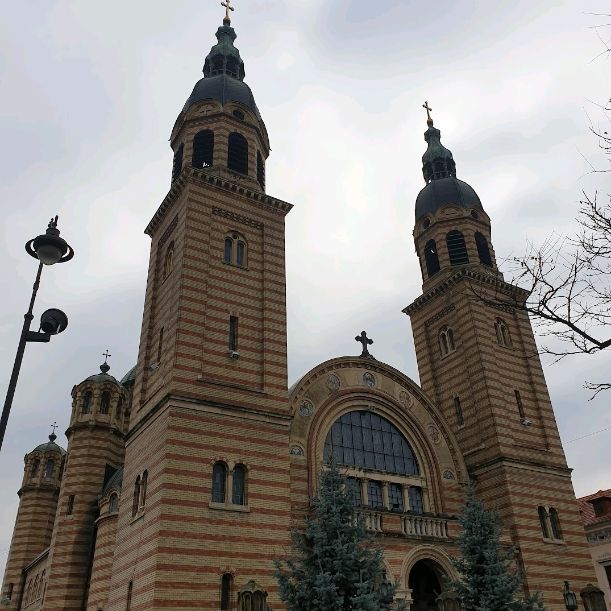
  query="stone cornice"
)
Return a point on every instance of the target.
[
  {"x": 468, "y": 273},
  {"x": 258, "y": 198}
]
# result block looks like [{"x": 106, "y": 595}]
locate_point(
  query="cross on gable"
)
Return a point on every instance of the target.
[{"x": 365, "y": 341}]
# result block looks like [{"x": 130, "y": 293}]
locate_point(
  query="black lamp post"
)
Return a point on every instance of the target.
[
  {"x": 570, "y": 598},
  {"x": 49, "y": 249}
]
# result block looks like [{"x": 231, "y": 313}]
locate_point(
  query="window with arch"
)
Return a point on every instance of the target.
[
  {"x": 238, "y": 495},
  {"x": 226, "y": 587},
  {"x": 168, "y": 262},
  {"x": 143, "y": 486},
  {"x": 543, "y": 517},
  {"x": 228, "y": 250},
  {"x": 35, "y": 467},
  {"x": 483, "y": 250},
  {"x": 203, "y": 149},
  {"x": 219, "y": 482},
  {"x": 241, "y": 254},
  {"x": 49, "y": 468},
  {"x": 460, "y": 419},
  {"x": 502, "y": 333},
  {"x": 235, "y": 250},
  {"x": 177, "y": 163},
  {"x": 457, "y": 249},
  {"x": 87, "y": 402},
  {"x": 113, "y": 503},
  {"x": 105, "y": 402},
  {"x": 260, "y": 170},
  {"x": 136, "y": 500},
  {"x": 554, "y": 521},
  {"x": 237, "y": 153},
  {"x": 447, "y": 344},
  {"x": 130, "y": 590},
  {"x": 431, "y": 258}
]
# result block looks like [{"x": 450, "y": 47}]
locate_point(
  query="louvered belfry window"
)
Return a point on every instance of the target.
[
  {"x": 237, "y": 157},
  {"x": 431, "y": 258},
  {"x": 483, "y": 250},
  {"x": 457, "y": 249},
  {"x": 203, "y": 149},
  {"x": 177, "y": 165}
]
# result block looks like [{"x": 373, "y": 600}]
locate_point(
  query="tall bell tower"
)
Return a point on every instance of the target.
[
  {"x": 209, "y": 424},
  {"x": 479, "y": 360}
]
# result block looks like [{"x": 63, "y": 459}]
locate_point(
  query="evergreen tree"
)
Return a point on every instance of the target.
[
  {"x": 334, "y": 566},
  {"x": 487, "y": 582}
]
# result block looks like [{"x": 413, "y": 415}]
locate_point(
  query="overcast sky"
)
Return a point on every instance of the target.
[{"x": 91, "y": 90}]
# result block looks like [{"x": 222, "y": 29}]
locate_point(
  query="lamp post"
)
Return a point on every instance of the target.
[
  {"x": 570, "y": 598},
  {"x": 49, "y": 249}
]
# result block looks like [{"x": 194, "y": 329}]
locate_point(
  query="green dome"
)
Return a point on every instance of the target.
[
  {"x": 129, "y": 378},
  {"x": 50, "y": 446}
]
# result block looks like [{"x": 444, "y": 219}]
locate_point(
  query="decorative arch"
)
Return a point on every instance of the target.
[{"x": 426, "y": 552}]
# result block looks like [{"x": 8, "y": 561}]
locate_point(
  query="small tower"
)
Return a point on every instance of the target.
[
  {"x": 479, "y": 360},
  {"x": 96, "y": 436},
  {"x": 34, "y": 524}
]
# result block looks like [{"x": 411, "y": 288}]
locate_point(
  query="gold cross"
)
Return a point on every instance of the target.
[
  {"x": 428, "y": 112},
  {"x": 228, "y": 8}
]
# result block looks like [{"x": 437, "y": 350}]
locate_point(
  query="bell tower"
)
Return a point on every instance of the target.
[
  {"x": 209, "y": 423},
  {"x": 478, "y": 359}
]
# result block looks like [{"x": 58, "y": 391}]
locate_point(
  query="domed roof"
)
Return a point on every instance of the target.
[
  {"x": 445, "y": 192},
  {"x": 115, "y": 481},
  {"x": 50, "y": 446},
  {"x": 104, "y": 376},
  {"x": 129, "y": 377}
]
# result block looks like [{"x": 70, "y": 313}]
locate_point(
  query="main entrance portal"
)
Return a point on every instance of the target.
[{"x": 425, "y": 581}]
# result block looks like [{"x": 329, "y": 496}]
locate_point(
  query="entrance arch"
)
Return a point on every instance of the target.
[{"x": 425, "y": 581}]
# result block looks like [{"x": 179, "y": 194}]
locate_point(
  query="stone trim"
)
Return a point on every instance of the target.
[{"x": 238, "y": 218}]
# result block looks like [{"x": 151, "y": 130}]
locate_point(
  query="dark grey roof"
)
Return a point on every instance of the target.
[
  {"x": 129, "y": 377},
  {"x": 222, "y": 88},
  {"x": 114, "y": 483},
  {"x": 50, "y": 446},
  {"x": 444, "y": 192}
]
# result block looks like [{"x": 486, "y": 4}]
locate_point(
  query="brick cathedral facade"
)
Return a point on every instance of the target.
[{"x": 181, "y": 481}]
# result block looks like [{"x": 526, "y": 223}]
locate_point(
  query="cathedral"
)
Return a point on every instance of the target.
[{"x": 181, "y": 481}]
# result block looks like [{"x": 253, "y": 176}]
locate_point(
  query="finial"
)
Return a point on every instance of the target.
[
  {"x": 228, "y": 7},
  {"x": 53, "y": 222},
  {"x": 105, "y": 367},
  {"x": 365, "y": 341},
  {"x": 429, "y": 120},
  {"x": 53, "y": 436}
]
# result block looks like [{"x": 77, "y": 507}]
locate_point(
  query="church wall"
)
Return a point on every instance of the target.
[{"x": 35, "y": 583}]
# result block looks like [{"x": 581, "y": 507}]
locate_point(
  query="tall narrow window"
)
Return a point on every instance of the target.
[
  {"x": 160, "y": 346},
  {"x": 237, "y": 154},
  {"x": 49, "y": 468},
  {"x": 177, "y": 164},
  {"x": 431, "y": 258},
  {"x": 457, "y": 249},
  {"x": 482, "y": 249},
  {"x": 227, "y": 252},
  {"x": 113, "y": 505},
  {"x": 219, "y": 481},
  {"x": 9, "y": 591},
  {"x": 543, "y": 521},
  {"x": 119, "y": 408},
  {"x": 446, "y": 340},
  {"x": 70, "y": 506},
  {"x": 395, "y": 497},
  {"x": 168, "y": 262},
  {"x": 87, "y": 402},
  {"x": 35, "y": 467},
  {"x": 226, "y": 581},
  {"x": 416, "y": 504},
  {"x": 143, "y": 485},
  {"x": 260, "y": 170},
  {"x": 459, "y": 415},
  {"x": 203, "y": 149},
  {"x": 130, "y": 589},
  {"x": 136, "y": 496},
  {"x": 353, "y": 485},
  {"x": 233, "y": 333},
  {"x": 374, "y": 492},
  {"x": 502, "y": 333},
  {"x": 241, "y": 254},
  {"x": 105, "y": 402},
  {"x": 520, "y": 404},
  {"x": 238, "y": 496},
  {"x": 554, "y": 521}
]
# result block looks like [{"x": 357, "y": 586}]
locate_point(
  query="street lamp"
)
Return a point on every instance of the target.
[
  {"x": 570, "y": 598},
  {"x": 49, "y": 249}
]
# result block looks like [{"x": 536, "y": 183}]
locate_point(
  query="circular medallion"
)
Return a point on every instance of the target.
[
  {"x": 434, "y": 433},
  {"x": 296, "y": 451},
  {"x": 306, "y": 408},
  {"x": 447, "y": 474},
  {"x": 369, "y": 379},
  {"x": 333, "y": 382},
  {"x": 406, "y": 399}
]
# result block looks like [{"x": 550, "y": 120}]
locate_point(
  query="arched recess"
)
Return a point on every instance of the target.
[{"x": 429, "y": 553}]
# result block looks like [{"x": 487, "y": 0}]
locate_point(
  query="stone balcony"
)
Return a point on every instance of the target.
[{"x": 410, "y": 525}]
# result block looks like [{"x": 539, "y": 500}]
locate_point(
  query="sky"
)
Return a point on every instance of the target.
[{"x": 90, "y": 92}]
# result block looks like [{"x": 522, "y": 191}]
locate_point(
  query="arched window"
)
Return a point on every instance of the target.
[
  {"x": 203, "y": 149},
  {"x": 260, "y": 170},
  {"x": 228, "y": 250},
  {"x": 49, "y": 468},
  {"x": 87, "y": 402},
  {"x": 431, "y": 258},
  {"x": 136, "y": 496},
  {"x": 238, "y": 114},
  {"x": 554, "y": 521},
  {"x": 226, "y": 582},
  {"x": 543, "y": 521},
  {"x": 457, "y": 249},
  {"x": 237, "y": 153},
  {"x": 35, "y": 467},
  {"x": 143, "y": 484},
  {"x": 113, "y": 504},
  {"x": 238, "y": 496},
  {"x": 168, "y": 263},
  {"x": 105, "y": 402},
  {"x": 483, "y": 250},
  {"x": 177, "y": 164},
  {"x": 446, "y": 341},
  {"x": 458, "y": 408},
  {"x": 502, "y": 333},
  {"x": 241, "y": 254},
  {"x": 130, "y": 589},
  {"x": 364, "y": 439},
  {"x": 219, "y": 482}
]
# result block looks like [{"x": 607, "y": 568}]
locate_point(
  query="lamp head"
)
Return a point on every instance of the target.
[
  {"x": 53, "y": 321},
  {"x": 49, "y": 248}
]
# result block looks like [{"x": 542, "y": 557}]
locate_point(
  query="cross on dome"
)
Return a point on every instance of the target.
[
  {"x": 428, "y": 109},
  {"x": 365, "y": 341},
  {"x": 228, "y": 7}
]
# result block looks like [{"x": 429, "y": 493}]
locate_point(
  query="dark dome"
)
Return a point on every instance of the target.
[
  {"x": 129, "y": 377},
  {"x": 445, "y": 192},
  {"x": 115, "y": 481},
  {"x": 104, "y": 376},
  {"x": 50, "y": 446},
  {"x": 223, "y": 89}
]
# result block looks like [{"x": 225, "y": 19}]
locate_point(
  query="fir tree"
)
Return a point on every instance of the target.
[
  {"x": 334, "y": 566},
  {"x": 487, "y": 582}
]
